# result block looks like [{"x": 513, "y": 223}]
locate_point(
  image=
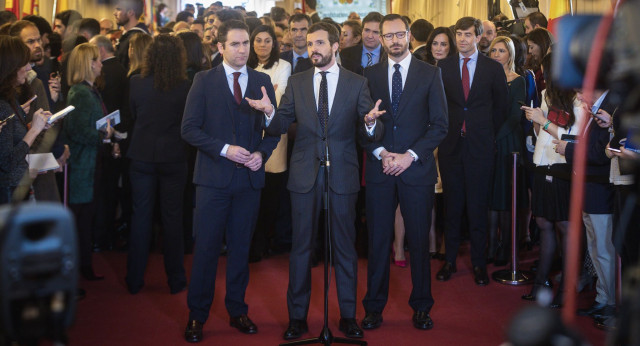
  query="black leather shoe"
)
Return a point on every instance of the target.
[
  {"x": 421, "y": 320},
  {"x": 480, "y": 276},
  {"x": 372, "y": 320},
  {"x": 350, "y": 328},
  {"x": 193, "y": 333},
  {"x": 445, "y": 272},
  {"x": 592, "y": 310},
  {"x": 295, "y": 329},
  {"x": 244, "y": 324}
]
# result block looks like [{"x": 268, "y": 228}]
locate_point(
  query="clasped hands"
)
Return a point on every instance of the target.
[
  {"x": 240, "y": 155},
  {"x": 395, "y": 163}
]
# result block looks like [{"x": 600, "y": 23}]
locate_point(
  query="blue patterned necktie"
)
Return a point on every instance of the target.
[
  {"x": 323, "y": 102},
  {"x": 396, "y": 89},
  {"x": 369, "y": 59}
]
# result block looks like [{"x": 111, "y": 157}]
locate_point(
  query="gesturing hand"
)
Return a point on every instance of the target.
[
  {"x": 263, "y": 105},
  {"x": 255, "y": 161},
  {"x": 373, "y": 114},
  {"x": 238, "y": 154}
]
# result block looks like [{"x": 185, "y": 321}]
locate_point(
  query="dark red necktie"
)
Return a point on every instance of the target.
[
  {"x": 465, "y": 87},
  {"x": 237, "y": 91}
]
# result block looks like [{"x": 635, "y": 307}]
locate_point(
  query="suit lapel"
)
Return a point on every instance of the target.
[
  {"x": 310, "y": 97},
  {"x": 342, "y": 89},
  {"x": 477, "y": 76},
  {"x": 382, "y": 79}
]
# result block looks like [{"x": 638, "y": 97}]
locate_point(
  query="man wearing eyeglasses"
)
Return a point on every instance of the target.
[
  {"x": 298, "y": 26},
  {"x": 400, "y": 168},
  {"x": 370, "y": 51}
]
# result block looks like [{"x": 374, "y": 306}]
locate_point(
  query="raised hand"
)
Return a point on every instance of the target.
[
  {"x": 373, "y": 114},
  {"x": 238, "y": 154},
  {"x": 264, "y": 105},
  {"x": 603, "y": 118},
  {"x": 255, "y": 161}
]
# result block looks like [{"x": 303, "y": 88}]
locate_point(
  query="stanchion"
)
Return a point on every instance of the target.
[
  {"x": 66, "y": 188},
  {"x": 513, "y": 276}
]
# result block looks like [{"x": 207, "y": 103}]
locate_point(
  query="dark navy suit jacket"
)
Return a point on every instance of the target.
[{"x": 208, "y": 124}]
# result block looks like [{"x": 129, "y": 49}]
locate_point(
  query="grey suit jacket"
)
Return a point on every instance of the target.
[{"x": 351, "y": 102}]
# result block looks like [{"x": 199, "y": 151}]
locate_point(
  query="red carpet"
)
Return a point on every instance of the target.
[{"x": 463, "y": 314}]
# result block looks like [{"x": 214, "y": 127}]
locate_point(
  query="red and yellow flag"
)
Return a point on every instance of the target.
[
  {"x": 31, "y": 7},
  {"x": 13, "y": 6}
]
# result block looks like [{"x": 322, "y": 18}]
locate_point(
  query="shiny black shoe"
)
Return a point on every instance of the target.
[
  {"x": 193, "y": 332},
  {"x": 295, "y": 329},
  {"x": 421, "y": 320},
  {"x": 244, "y": 324},
  {"x": 371, "y": 320},
  {"x": 445, "y": 272},
  {"x": 480, "y": 276},
  {"x": 350, "y": 328}
]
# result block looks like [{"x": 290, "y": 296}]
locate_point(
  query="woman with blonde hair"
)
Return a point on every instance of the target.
[
  {"x": 509, "y": 139},
  {"x": 137, "y": 46},
  {"x": 84, "y": 142}
]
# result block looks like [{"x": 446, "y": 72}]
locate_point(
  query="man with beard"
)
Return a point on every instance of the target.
[
  {"x": 229, "y": 175},
  {"x": 44, "y": 186},
  {"x": 488, "y": 34},
  {"x": 401, "y": 168},
  {"x": 126, "y": 14},
  {"x": 329, "y": 103}
]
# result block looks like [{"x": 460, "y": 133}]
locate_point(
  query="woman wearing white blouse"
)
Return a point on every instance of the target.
[
  {"x": 561, "y": 113},
  {"x": 265, "y": 57}
]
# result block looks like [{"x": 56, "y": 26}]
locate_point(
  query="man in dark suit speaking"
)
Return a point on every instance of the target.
[
  {"x": 229, "y": 174},
  {"x": 328, "y": 103},
  {"x": 477, "y": 97},
  {"x": 401, "y": 168}
]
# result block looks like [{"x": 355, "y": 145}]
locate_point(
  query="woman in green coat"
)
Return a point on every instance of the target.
[{"x": 84, "y": 142}]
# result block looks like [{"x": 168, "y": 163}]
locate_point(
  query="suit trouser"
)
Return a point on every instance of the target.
[
  {"x": 305, "y": 208},
  {"x": 168, "y": 180},
  {"x": 234, "y": 209},
  {"x": 599, "y": 229},
  {"x": 416, "y": 202},
  {"x": 465, "y": 183}
]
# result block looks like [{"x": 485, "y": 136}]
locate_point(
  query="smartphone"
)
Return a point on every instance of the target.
[
  {"x": 614, "y": 150},
  {"x": 61, "y": 114},
  {"x": 7, "y": 119}
]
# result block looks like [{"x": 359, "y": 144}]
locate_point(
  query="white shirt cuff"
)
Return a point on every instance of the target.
[
  {"x": 377, "y": 151},
  {"x": 370, "y": 129},
  {"x": 223, "y": 153},
  {"x": 269, "y": 117},
  {"x": 414, "y": 155}
]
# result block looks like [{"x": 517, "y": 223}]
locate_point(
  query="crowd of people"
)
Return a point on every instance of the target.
[{"x": 229, "y": 124}]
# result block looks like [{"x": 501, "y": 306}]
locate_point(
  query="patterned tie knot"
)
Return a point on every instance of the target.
[
  {"x": 324, "y": 73},
  {"x": 397, "y": 67}
]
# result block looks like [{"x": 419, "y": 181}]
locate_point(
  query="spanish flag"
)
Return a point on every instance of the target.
[
  {"x": 558, "y": 8},
  {"x": 13, "y": 6},
  {"x": 30, "y": 7}
]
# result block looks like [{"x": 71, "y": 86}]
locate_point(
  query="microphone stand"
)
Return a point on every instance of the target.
[{"x": 325, "y": 337}]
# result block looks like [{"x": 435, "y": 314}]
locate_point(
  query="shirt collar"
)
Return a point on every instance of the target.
[
  {"x": 228, "y": 70},
  {"x": 473, "y": 57},
  {"x": 303, "y": 55},
  {"x": 375, "y": 51},
  {"x": 404, "y": 63},
  {"x": 333, "y": 69}
]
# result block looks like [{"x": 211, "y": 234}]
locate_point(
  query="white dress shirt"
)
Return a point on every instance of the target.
[
  {"x": 333, "y": 73},
  {"x": 471, "y": 65},
  {"x": 404, "y": 71}
]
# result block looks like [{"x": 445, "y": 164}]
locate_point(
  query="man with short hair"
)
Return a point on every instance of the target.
[
  {"x": 62, "y": 24},
  {"x": 298, "y": 27},
  {"x": 535, "y": 20},
  {"x": 198, "y": 27},
  {"x": 229, "y": 175},
  {"x": 370, "y": 52},
  {"x": 106, "y": 25},
  {"x": 401, "y": 168},
  {"x": 126, "y": 14},
  {"x": 477, "y": 99},
  {"x": 89, "y": 28},
  {"x": 329, "y": 104},
  {"x": 420, "y": 31},
  {"x": 312, "y": 13},
  {"x": 488, "y": 34},
  {"x": 185, "y": 16},
  {"x": 280, "y": 16}
]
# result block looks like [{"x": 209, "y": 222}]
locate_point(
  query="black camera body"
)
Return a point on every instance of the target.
[{"x": 38, "y": 271}]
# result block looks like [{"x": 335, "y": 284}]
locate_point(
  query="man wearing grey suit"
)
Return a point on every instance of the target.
[{"x": 329, "y": 103}]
